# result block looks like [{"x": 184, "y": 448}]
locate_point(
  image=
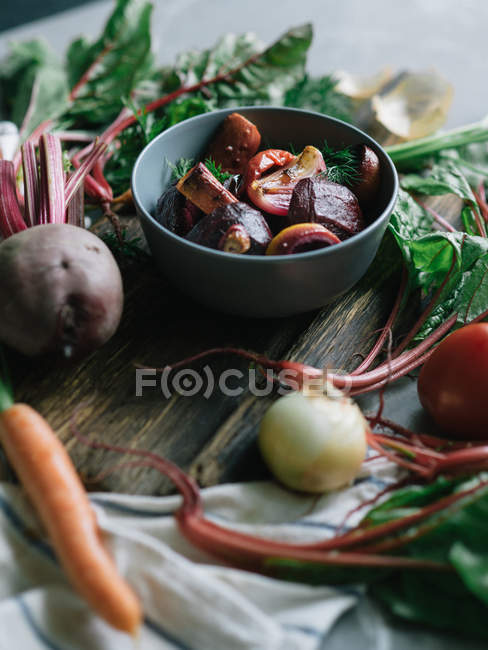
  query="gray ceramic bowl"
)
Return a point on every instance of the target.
[{"x": 258, "y": 285}]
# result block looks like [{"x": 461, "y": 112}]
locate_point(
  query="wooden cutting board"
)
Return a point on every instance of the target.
[{"x": 212, "y": 438}]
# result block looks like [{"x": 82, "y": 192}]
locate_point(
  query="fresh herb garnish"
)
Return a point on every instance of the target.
[
  {"x": 216, "y": 170},
  {"x": 341, "y": 164},
  {"x": 180, "y": 168},
  {"x": 130, "y": 249}
]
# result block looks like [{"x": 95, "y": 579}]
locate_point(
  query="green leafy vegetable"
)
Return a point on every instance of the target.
[
  {"x": 432, "y": 257},
  {"x": 320, "y": 95},
  {"x": 117, "y": 62},
  {"x": 243, "y": 71},
  {"x": 118, "y": 170},
  {"x": 409, "y": 221},
  {"x": 457, "y": 536},
  {"x": 32, "y": 82},
  {"x": 182, "y": 109},
  {"x": 460, "y": 537},
  {"x": 444, "y": 177},
  {"x": 471, "y": 159}
]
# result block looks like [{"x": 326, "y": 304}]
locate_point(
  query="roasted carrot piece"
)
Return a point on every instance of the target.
[
  {"x": 201, "y": 187},
  {"x": 54, "y": 487}
]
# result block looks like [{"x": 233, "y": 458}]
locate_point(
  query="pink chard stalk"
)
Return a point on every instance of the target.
[{"x": 48, "y": 196}]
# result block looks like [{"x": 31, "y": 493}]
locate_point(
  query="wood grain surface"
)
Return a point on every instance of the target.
[{"x": 213, "y": 438}]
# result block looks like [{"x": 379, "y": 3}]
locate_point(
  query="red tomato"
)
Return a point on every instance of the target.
[{"x": 453, "y": 383}]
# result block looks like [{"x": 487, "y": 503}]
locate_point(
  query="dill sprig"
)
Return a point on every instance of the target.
[
  {"x": 342, "y": 164},
  {"x": 216, "y": 170},
  {"x": 130, "y": 249},
  {"x": 180, "y": 167}
]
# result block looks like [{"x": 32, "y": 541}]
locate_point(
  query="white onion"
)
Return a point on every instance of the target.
[{"x": 314, "y": 442}]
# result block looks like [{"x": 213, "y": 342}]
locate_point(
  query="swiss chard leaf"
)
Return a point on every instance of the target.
[
  {"x": 430, "y": 256},
  {"x": 320, "y": 95},
  {"x": 471, "y": 159},
  {"x": 184, "y": 108},
  {"x": 409, "y": 219},
  {"x": 119, "y": 61},
  {"x": 439, "y": 600},
  {"x": 32, "y": 75},
  {"x": 245, "y": 72},
  {"x": 459, "y": 537},
  {"x": 445, "y": 177}
]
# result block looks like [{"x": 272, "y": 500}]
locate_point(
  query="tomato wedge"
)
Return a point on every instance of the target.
[{"x": 265, "y": 160}]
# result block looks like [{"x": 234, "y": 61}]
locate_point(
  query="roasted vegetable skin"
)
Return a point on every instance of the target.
[
  {"x": 201, "y": 187},
  {"x": 235, "y": 143},
  {"x": 176, "y": 213},
  {"x": 301, "y": 238},
  {"x": 367, "y": 186},
  {"x": 272, "y": 192},
  {"x": 217, "y": 230},
  {"x": 316, "y": 200}
]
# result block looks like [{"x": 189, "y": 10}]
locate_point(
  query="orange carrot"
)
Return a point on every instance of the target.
[{"x": 50, "y": 480}]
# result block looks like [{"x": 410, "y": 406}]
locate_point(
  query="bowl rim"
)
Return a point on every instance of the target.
[{"x": 268, "y": 259}]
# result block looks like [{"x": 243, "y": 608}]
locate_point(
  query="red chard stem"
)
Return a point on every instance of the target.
[
  {"x": 52, "y": 203},
  {"x": 11, "y": 219},
  {"x": 77, "y": 177},
  {"x": 378, "y": 346},
  {"x": 31, "y": 184},
  {"x": 75, "y": 212}
]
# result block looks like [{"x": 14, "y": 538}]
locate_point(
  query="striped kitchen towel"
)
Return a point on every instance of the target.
[{"x": 189, "y": 599}]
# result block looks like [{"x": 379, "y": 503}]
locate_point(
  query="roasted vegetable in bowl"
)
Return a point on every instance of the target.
[
  {"x": 234, "y": 228},
  {"x": 237, "y": 197}
]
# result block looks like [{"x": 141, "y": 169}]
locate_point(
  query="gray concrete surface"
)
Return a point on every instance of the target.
[{"x": 354, "y": 35}]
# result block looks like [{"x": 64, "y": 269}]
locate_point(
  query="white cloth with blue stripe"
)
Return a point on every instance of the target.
[{"x": 189, "y": 599}]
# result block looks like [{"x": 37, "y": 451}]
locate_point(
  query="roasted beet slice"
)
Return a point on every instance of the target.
[
  {"x": 320, "y": 201},
  {"x": 176, "y": 213},
  {"x": 236, "y": 142},
  {"x": 369, "y": 169},
  {"x": 217, "y": 230}
]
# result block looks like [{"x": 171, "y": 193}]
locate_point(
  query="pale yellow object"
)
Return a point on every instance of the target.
[
  {"x": 416, "y": 106},
  {"x": 313, "y": 443},
  {"x": 362, "y": 86}
]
